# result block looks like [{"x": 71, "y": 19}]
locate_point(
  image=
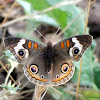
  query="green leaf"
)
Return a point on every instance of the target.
[
  {"x": 58, "y": 15},
  {"x": 90, "y": 95},
  {"x": 72, "y": 12},
  {"x": 87, "y": 70},
  {"x": 25, "y": 5},
  {"x": 90, "y": 69},
  {"x": 38, "y": 4},
  {"x": 78, "y": 26},
  {"x": 96, "y": 71}
]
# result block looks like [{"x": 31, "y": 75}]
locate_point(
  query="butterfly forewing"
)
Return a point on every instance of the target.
[
  {"x": 22, "y": 48},
  {"x": 74, "y": 47}
]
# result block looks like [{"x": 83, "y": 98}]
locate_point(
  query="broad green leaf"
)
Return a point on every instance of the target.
[
  {"x": 96, "y": 71},
  {"x": 58, "y": 15},
  {"x": 72, "y": 12},
  {"x": 25, "y": 5},
  {"x": 78, "y": 26},
  {"x": 87, "y": 70},
  {"x": 90, "y": 95}
]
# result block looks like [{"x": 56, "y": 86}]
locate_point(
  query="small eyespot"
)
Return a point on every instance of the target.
[
  {"x": 34, "y": 69},
  {"x": 65, "y": 68},
  {"x": 75, "y": 51},
  {"x": 42, "y": 76},
  {"x": 57, "y": 76},
  {"x": 21, "y": 52}
]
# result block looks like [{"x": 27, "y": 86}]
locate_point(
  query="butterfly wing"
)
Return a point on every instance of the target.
[
  {"x": 22, "y": 48},
  {"x": 73, "y": 47},
  {"x": 64, "y": 52},
  {"x": 36, "y": 68},
  {"x": 32, "y": 54},
  {"x": 62, "y": 70}
]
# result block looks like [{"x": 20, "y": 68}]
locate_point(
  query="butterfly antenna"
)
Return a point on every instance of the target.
[
  {"x": 39, "y": 33},
  {"x": 55, "y": 33}
]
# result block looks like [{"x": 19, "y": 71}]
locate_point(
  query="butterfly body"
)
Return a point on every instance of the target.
[{"x": 49, "y": 65}]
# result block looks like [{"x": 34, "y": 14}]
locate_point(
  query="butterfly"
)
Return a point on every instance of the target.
[{"x": 49, "y": 65}]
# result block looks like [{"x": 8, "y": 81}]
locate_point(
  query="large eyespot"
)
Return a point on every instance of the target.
[
  {"x": 75, "y": 50},
  {"x": 65, "y": 68},
  {"x": 21, "y": 52},
  {"x": 42, "y": 76},
  {"x": 33, "y": 69}
]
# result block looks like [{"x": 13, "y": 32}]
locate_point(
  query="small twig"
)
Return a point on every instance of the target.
[
  {"x": 70, "y": 24},
  {"x": 7, "y": 14},
  {"x": 7, "y": 72},
  {"x": 4, "y": 32},
  {"x": 79, "y": 76},
  {"x": 3, "y": 68},
  {"x": 58, "y": 92},
  {"x": 25, "y": 96},
  {"x": 24, "y": 85},
  {"x": 64, "y": 3},
  {"x": 43, "y": 11},
  {"x": 73, "y": 21},
  {"x": 86, "y": 23},
  {"x": 26, "y": 91}
]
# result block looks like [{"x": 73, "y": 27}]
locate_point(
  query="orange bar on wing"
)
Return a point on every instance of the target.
[
  {"x": 35, "y": 45},
  {"x": 21, "y": 58},
  {"x": 68, "y": 43},
  {"x": 76, "y": 56},
  {"x": 62, "y": 44},
  {"x": 29, "y": 44}
]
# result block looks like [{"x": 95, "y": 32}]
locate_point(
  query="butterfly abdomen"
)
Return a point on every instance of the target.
[{"x": 49, "y": 54}]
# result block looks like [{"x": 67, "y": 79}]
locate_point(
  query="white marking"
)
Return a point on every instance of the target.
[
  {"x": 33, "y": 80},
  {"x": 68, "y": 76},
  {"x": 73, "y": 68},
  {"x": 77, "y": 44},
  {"x": 29, "y": 77},
  {"x": 19, "y": 46},
  {"x": 71, "y": 72}
]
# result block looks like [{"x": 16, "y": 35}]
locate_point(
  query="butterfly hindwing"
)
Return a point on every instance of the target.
[{"x": 63, "y": 70}]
